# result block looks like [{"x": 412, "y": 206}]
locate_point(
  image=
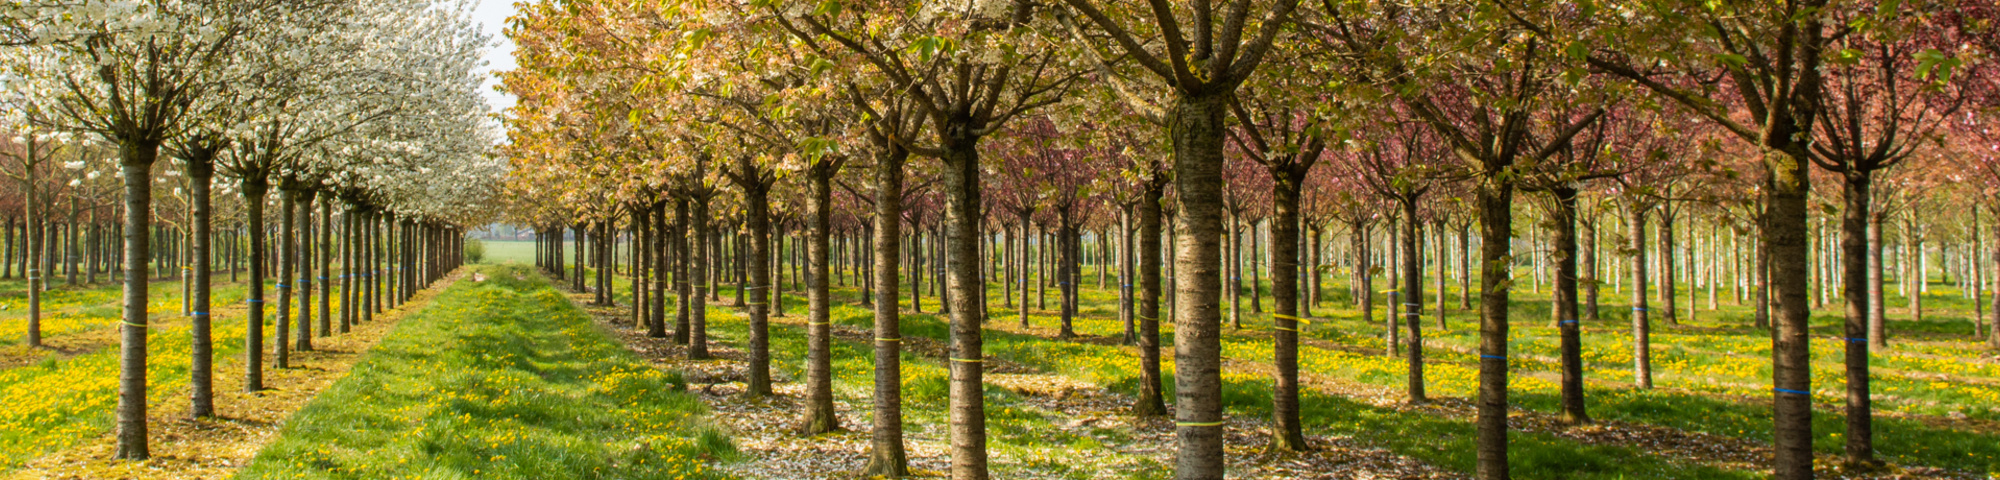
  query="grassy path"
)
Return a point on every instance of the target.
[{"x": 499, "y": 378}]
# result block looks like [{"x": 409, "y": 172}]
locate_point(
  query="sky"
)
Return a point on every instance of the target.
[{"x": 492, "y": 17}]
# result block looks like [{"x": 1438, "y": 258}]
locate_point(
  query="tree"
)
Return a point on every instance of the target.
[{"x": 1196, "y": 76}]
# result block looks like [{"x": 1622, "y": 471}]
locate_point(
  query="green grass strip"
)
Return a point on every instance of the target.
[{"x": 499, "y": 379}]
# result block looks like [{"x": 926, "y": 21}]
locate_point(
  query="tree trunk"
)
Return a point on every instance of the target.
[
  {"x": 326, "y": 265},
  {"x": 698, "y": 274},
  {"x": 1496, "y": 202},
  {"x": 137, "y": 159},
  {"x": 683, "y": 261},
  {"x": 1565, "y": 256},
  {"x": 1791, "y": 360},
  {"x": 282, "y": 344},
  {"x": 1667, "y": 274},
  {"x": 1288, "y": 433},
  {"x": 757, "y": 265},
  {"x": 1877, "y": 303},
  {"x": 1854, "y": 250},
  {"x": 1642, "y": 329},
  {"x": 201, "y": 344},
  {"x": 656, "y": 321},
  {"x": 961, "y": 261},
  {"x": 1196, "y": 126},
  {"x": 1066, "y": 269},
  {"x": 1151, "y": 401},
  {"x": 819, "y": 415},
  {"x": 254, "y": 187},
  {"x": 887, "y": 456},
  {"x": 304, "y": 281},
  {"x": 1412, "y": 295},
  {"x": 31, "y": 255},
  {"x": 347, "y": 266}
]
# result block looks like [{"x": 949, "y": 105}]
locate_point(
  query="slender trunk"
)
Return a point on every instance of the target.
[
  {"x": 1196, "y": 127},
  {"x": 1288, "y": 432},
  {"x": 1854, "y": 246},
  {"x": 683, "y": 261},
  {"x": 137, "y": 159},
  {"x": 326, "y": 265},
  {"x": 699, "y": 275},
  {"x": 1790, "y": 356},
  {"x": 201, "y": 345},
  {"x": 961, "y": 263},
  {"x": 656, "y": 322},
  {"x": 1151, "y": 400},
  {"x": 1412, "y": 295},
  {"x": 254, "y": 187},
  {"x": 819, "y": 416},
  {"x": 303, "y": 258},
  {"x": 1496, "y": 201},
  {"x": 1642, "y": 329},
  {"x": 282, "y": 344},
  {"x": 757, "y": 265},
  {"x": 1914, "y": 268},
  {"x": 1565, "y": 256},
  {"x": 31, "y": 255},
  {"x": 1066, "y": 265},
  {"x": 1026, "y": 236},
  {"x": 1256, "y": 282},
  {"x": 1667, "y": 273},
  {"x": 887, "y": 456},
  {"x": 1877, "y": 305}
]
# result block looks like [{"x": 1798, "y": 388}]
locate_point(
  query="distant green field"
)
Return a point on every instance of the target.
[{"x": 498, "y": 251}]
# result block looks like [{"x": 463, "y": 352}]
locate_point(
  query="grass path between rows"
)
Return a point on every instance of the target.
[{"x": 499, "y": 378}]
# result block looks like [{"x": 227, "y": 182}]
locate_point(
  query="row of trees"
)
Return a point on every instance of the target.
[
  {"x": 364, "y": 112},
  {"x": 1205, "y": 117}
]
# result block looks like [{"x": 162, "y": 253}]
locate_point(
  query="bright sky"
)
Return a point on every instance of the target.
[{"x": 492, "y": 17}]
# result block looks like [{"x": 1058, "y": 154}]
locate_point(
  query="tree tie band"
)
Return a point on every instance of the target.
[
  {"x": 1492, "y": 357},
  {"x": 967, "y": 360},
  {"x": 134, "y": 325},
  {"x": 879, "y": 339},
  {"x": 1303, "y": 320},
  {"x": 1857, "y": 340},
  {"x": 1790, "y": 391},
  {"x": 1216, "y": 423},
  {"x": 1566, "y": 322},
  {"x": 1638, "y": 309}
]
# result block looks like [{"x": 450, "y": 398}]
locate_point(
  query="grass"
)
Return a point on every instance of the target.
[
  {"x": 59, "y": 400},
  {"x": 496, "y": 380},
  {"x": 1712, "y": 375}
]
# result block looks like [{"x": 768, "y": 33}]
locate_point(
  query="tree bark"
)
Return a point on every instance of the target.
[
  {"x": 961, "y": 261},
  {"x": 282, "y": 344},
  {"x": 304, "y": 281},
  {"x": 757, "y": 265},
  {"x": 1288, "y": 432},
  {"x": 1855, "y": 260},
  {"x": 656, "y": 322},
  {"x": 1151, "y": 400},
  {"x": 819, "y": 416},
  {"x": 698, "y": 274},
  {"x": 1195, "y": 125},
  {"x": 1412, "y": 309},
  {"x": 887, "y": 456},
  {"x": 1496, "y": 201},
  {"x": 201, "y": 345},
  {"x": 326, "y": 265},
  {"x": 1565, "y": 255},
  {"x": 137, "y": 159},
  {"x": 683, "y": 261},
  {"x": 254, "y": 188},
  {"x": 1642, "y": 329}
]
